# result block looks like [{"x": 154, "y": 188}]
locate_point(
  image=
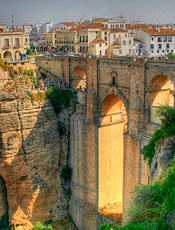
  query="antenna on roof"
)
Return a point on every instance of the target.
[{"x": 13, "y": 23}]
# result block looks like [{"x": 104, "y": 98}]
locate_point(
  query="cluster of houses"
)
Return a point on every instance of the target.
[{"x": 99, "y": 37}]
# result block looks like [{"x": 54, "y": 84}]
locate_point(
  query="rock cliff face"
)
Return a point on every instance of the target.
[
  {"x": 164, "y": 154},
  {"x": 32, "y": 155}
]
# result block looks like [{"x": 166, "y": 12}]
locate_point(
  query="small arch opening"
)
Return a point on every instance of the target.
[
  {"x": 7, "y": 54},
  {"x": 161, "y": 93},
  {"x": 79, "y": 78}
]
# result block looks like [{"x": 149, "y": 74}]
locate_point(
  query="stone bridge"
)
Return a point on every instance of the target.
[{"x": 113, "y": 121}]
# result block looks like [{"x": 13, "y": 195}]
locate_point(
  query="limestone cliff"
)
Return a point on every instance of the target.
[
  {"x": 165, "y": 151},
  {"x": 32, "y": 155}
]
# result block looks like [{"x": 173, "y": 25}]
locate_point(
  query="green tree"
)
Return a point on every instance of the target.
[
  {"x": 29, "y": 52},
  {"x": 171, "y": 56}
]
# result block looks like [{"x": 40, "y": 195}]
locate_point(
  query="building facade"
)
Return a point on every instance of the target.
[
  {"x": 13, "y": 45},
  {"x": 158, "y": 42}
]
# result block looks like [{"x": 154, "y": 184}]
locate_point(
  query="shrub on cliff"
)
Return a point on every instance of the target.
[
  {"x": 60, "y": 99},
  {"x": 167, "y": 130},
  {"x": 4, "y": 223},
  {"x": 39, "y": 226}
]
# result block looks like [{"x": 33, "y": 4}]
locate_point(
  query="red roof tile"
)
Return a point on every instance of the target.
[
  {"x": 118, "y": 31},
  {"x": 159, "y": 32},
  {"x": 98, "y": 40}
]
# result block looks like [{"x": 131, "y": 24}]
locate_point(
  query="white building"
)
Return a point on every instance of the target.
[
  {"x": 64, "y": 25},
  {"x": 158, "y": 42},
  {"x": 138, "y": 47},
  {"x": 97, "y": 47},
  {"x": 120, "y": 42},
  {"x": 27, "y": 29}
]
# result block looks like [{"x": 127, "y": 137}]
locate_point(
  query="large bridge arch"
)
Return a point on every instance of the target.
[{"x": 112, "y": 126}]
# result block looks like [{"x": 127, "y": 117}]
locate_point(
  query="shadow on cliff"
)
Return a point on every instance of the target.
[{"x": 32, "y": 155}]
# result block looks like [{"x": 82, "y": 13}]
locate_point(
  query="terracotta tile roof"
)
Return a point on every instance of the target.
[
  {"x": 137, "y": 26},
  {"x": 77, "y": 28},
  {"x": 68, "y": 23},
  {"x": 118, "y": 31},
  {"x": 98, "y": 40},
  {"x": 95, "y": 26},
  {"x": 161, "y": 32},
  {"x": 100, "y": 20}
]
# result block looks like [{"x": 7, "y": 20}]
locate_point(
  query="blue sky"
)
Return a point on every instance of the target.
[{"x": 34, "y": 11}]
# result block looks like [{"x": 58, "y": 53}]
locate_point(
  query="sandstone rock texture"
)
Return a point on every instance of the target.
[{"x": 32, "y": 155}]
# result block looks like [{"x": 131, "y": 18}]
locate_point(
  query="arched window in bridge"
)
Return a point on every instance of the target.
[
  {"x": 160, "y": 93},
  {"x": 113, "y": 80}
]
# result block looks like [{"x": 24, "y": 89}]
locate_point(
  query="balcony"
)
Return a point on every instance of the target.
[
  {"x": 7, "y": 47},
  {"x": 17, "y": 46}
]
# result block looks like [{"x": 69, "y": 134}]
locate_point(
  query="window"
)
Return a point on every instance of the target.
[
  {"x": 106, "y": 51},
  {"x": 86, "y": 38},
  {"x": 83, "y": 38},
  {"x": 125, "y": 35},
  {"x": 114, "y": 36},
  {"x": 168, "y": 51},
  {"x": 26, "y": 41},
  {"x": 157, "y": 51},
  {"x": 159, "y": 39},
  {"x": 113, "y": 80},
  {"x": 171, "y": 51},
  {"x": 80, "y": 38},
  {"x": 6, "y": 42},
  {"x": 106, "y": 38},
  {"x": 168, "y": 45},
  {"x": 130, "y": 51},
  {"x": 152, "y": 39},
  {"x": 120, "y": 51},
  {"x": 106, "y": 43},
  {"x": 130, "y": 42},
  {"x": 106, "y": 33},
  {"x": 152, "y": 51},
  {"x": 100, "y": 44},
  {"x": 124, "y": 42},
  {"x": 164, "y": 39},
  {"x": 163, "y": 51},
  {"x": 169, "y": 39},
  {"x": 152, "y": 46},
  {"x": 160, "y": 46}
]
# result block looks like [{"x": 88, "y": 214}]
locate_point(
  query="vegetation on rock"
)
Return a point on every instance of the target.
[
  {"x": 66, "y": 173},
  {"x": 60, "y": 99},
  {"x": 4, "y": 223},
  {"x": 40, "y": 226},
  {"x": 167, "y": 130}
]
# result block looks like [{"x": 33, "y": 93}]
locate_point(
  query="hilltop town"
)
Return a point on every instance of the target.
[{"x": 99, "y": 37}]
